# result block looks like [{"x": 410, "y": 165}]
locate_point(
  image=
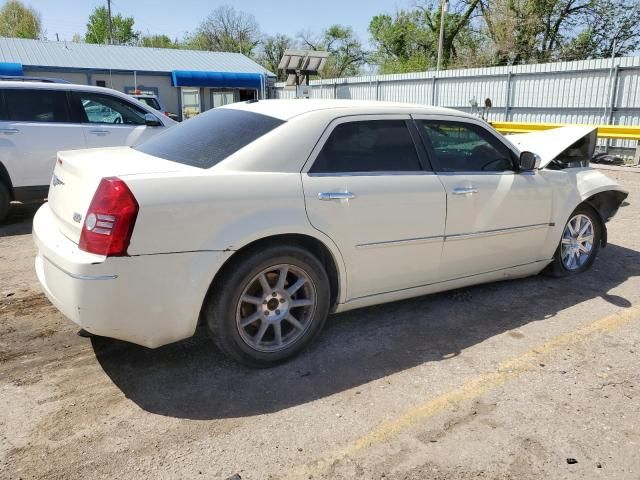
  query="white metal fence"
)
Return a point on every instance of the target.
[{"x": 590, "y": 91}]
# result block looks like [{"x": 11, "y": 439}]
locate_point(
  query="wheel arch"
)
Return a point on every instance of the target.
[
  {"x": 327, "y": 254},
  {"x": 606, "y": 204}
]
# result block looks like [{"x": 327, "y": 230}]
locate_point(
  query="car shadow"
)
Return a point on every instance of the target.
[
  {"x": 192, "y": 379},
  {"x": 20, "y": 219}
]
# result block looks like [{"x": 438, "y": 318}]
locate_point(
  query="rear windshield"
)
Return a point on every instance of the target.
[{"x": 210, "y": 137}]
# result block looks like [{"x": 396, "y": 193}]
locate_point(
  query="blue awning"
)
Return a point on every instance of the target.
[
  {"x": 11, "y": 69},
  {"x": 187, "y": 78}
]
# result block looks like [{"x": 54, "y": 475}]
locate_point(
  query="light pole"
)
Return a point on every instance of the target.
[
  {"x": 110, "y": 25},
  {"x": 443, "y": 13}
]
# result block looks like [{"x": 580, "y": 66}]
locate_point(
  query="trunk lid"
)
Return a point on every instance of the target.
[{"x": 78, "y": 172}]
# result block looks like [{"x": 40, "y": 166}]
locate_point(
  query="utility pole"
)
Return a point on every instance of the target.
[
  {"x": 443, "y": 13},
  {"x": 109, "y": 21}
]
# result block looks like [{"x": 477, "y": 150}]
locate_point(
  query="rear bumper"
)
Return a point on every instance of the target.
[{"x": 150, "y": 300}]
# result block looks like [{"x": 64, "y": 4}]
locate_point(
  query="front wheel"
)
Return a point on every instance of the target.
[
  {"x": 579, "y": 243},
  {"x": 269, "y": 306}
]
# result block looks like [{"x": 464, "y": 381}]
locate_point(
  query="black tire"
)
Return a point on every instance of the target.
[
  {"x": 222, "y": 310},
  {"x": 558, "y": 268},
  {"x": 5, "y": 200}
]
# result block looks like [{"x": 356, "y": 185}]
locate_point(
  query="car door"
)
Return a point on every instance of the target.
[
  {"x": 496, "y": 217},
  {"x": 372, "y": 192},
  {"x": 111, "y": 121},
  {"x": 36, "y": 124}
]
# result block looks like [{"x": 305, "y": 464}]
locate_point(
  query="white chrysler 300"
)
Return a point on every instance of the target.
[{"x": 258, "y": 219}]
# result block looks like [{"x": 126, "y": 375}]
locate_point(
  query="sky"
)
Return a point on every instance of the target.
[{"x": 175, "y": 18}]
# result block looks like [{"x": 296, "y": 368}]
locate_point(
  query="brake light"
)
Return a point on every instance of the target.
[{"x": 109, "y": 222}]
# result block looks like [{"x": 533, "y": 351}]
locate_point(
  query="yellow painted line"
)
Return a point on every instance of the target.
[{"x": 475, "y": 387}]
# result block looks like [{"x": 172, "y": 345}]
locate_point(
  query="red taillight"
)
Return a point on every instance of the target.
[
  {"x": 109, "y": 222},
  {"x": 166, "y": 114}
]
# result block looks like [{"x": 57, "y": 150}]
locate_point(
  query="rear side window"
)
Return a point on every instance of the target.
[
  {"x": 24, "y": 105},
  {"x": 368, "y": 146},
  {"x": 210, "y": 137}
]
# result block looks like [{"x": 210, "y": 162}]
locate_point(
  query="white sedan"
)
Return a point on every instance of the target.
[{"x": 258, "y": 219}]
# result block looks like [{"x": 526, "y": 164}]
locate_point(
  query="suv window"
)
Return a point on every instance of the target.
[
  {"x": 465, "y": 147},
  {"x": 210, "y": 137},
  {"x": 36, "y": 105},
  {"x": 152, "y": 102},
  {"x": 368, "y": 146},
  {"x": 100, "y": 108}
]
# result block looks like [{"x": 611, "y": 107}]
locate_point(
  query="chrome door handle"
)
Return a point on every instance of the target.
[
  {"x": 100, "y": 133},
  {"x": 335, "y": 196},
  {"x": 466, "y": 191},
  {"x": 9, "y": 131}
]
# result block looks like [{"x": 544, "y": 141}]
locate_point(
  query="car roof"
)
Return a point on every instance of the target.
[
  {"x": 56, "y": 86},
  {"x": 286, "y": 109}
]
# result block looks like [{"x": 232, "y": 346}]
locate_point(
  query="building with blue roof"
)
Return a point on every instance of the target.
[{"x": 186, "y": 81}]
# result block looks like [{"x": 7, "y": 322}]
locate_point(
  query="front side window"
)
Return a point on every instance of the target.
[
  {"x": 36, "y": 105},
  {"x": 107, "y": 109},
  {"x": 368, "y": 146},
  {"x": 465, "y": 147}
]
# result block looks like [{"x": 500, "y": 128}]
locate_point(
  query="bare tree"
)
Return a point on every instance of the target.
[{"x": 227, "y": 30}]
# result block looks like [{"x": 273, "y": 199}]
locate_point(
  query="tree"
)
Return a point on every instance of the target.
[
  {"x": 612, "y": 24},
  {"x": 272, "y": 49},
  {"x": 346, "y": 53},
  {"x": 19, "y": 21},
  {"x": 98, "y": 28},
  {"x": 535, "y": 30},
  {"x": 227, "y": 30},
  {"x": 408, "y": 41},
  {"x": 158, "y": 41}
]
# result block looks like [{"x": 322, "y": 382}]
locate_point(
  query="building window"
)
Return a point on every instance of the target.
[{"x": 101, "y": 83}]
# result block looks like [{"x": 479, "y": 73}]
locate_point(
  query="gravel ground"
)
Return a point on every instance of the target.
[{"x": 513, "y": 380}]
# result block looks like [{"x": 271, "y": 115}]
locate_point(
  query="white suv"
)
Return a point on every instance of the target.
[{"x": 39, "y": 119}]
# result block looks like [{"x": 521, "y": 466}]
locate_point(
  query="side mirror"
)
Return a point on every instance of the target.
[
  {"x": 528, "y": 161},
  {"x": 151, "y": 120}
]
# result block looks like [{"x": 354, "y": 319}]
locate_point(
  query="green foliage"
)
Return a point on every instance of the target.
[
  {"x": 272, "y": 51},
  {"x": 98, "y": 28},
  {"x": 19, "y": 21},
  {"x": 158, "y": 41},
  {"x": 347, "y": 55},
  {"x": 408, "y": 41}
]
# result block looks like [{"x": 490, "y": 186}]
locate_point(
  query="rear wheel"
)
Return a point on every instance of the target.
[
  {"x": 579, "y": 244},
  {"x": 5, "y": 200},
  {"x": 269, "y": 306}
]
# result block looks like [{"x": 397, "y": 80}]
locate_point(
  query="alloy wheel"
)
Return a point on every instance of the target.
[
  {"x": 276, "y": 308},
  {"x": 577, "y": 242}
]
